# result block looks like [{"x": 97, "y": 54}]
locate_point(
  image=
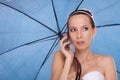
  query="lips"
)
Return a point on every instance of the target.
[{"x": 80, "y": 42}]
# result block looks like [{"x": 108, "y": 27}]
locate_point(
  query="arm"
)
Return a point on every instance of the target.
[
  {"x": 65, "y": 71},
  {"x": 68, "y": 57},
  {"x": 110, "y": 69},
  {"x": 60, "y": 67},
  {"x": 57, "y": 66},
  {"x": 62, "y": 61}
]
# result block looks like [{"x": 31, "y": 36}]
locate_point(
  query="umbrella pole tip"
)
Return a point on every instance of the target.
[{"x": 60, "y": 35}]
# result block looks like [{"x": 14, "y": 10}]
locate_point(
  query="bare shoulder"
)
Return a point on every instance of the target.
[
  {"x": 109, "y": 67},
  {"x": 103, "y": 59},
  {"x": 59, "y": 56},
  {"x": 57, "y": 65},
  {"x": 108, "y": 63}
]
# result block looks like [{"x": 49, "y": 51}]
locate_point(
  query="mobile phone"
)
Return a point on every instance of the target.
[{"x": 67, "y": 47}]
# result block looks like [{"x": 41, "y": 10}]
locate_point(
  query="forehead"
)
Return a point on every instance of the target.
[{"x": 79, "y": 18}]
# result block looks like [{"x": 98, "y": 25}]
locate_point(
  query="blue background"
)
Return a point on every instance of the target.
[{"x": 23, "y": 63}]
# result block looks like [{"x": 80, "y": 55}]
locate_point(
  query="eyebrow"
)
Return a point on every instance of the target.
[{"x": 76, "y": 27}]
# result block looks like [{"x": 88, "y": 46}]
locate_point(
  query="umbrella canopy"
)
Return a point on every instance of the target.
[{"x": 30, "y": 31}]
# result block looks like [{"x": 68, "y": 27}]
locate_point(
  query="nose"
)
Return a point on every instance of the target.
[{"x": 79, "y": 34}]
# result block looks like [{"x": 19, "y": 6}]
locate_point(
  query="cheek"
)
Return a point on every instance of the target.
[
  {"x": 89, "y": 36},
  {"x": 72, "y": 37}
]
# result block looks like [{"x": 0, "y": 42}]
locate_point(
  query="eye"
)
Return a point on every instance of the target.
[
  {"x": 85, "y": 28},
  {"x": 72, "y": 30}
]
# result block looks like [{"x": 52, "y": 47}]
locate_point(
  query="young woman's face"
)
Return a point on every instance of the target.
[{"x": 80, "y": 31}]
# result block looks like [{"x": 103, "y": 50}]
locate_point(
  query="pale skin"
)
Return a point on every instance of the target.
[{"x": 81, "y": 34}]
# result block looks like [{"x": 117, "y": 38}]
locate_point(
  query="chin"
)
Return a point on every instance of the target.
[
  {"x": 80, "y": 47},
  {"x": 83, "y": 47}
]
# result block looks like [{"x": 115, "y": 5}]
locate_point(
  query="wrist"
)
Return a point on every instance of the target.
[{"x": 69, "y": 61}]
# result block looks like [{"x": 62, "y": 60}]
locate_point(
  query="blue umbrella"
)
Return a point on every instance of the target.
[{"x": 30, "y": 31}]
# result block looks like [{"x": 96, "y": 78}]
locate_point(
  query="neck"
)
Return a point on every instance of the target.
[{"x": 83, "y": 55}]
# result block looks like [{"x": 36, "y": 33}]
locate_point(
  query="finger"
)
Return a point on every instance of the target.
[
  {"x": 63, "y": 40},
  {"x": 65, "y": 44},
  {"x": 70, "y": 46}
]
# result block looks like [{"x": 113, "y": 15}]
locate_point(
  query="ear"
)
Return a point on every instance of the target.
[{"x": 94, "y": 31}]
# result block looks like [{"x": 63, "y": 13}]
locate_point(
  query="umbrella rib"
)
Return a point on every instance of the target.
[
  {"x": 46, "y": 38},
  {"x": 107, "y": 25},
  {"x": 64, "y": 28},
  {"x": 75, "y": 10},
  {"x": 55, "y": 16},
  {"x": 29, "y": 17},
  {"x": 47, "y": 56},
  {"x": 118, "y": 72},
  {"x": 79, "y": 5}
]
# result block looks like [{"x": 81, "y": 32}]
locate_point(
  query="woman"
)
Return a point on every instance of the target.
[{"x": 81, "y": 64}]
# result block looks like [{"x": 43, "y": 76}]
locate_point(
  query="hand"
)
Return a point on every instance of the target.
[{"x": 68, "y": 53}]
